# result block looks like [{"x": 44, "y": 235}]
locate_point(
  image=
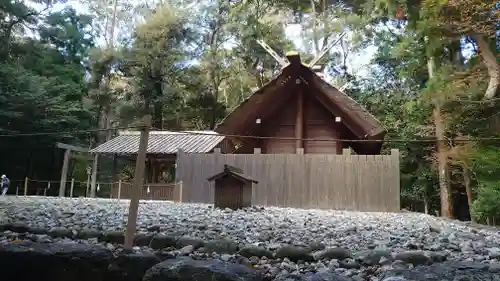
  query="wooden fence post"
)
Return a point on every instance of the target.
[
  {"x": 17, "y": 190},
  {"x": 71, "y": 187},
  {"x": 395, "y": 170},
  {"x": 26, "y": 186},
  {"x": 45, "y": 190},
  {"x": 180, "y": 191},
  {"x": 119, "y": 189}
]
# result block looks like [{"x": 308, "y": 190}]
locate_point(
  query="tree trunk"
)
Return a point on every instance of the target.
[
  {"x": 442, "y": 157},
  {"x": 158, "y": 115},
  {"x": 104, "y": 122},
  {"x": 491, "y": 63}
]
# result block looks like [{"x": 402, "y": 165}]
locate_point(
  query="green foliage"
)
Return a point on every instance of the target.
[
  {"x": 486, "y": 164},
  {"x": 42, "y": 85},
  {"x": 189, "y": 66}
]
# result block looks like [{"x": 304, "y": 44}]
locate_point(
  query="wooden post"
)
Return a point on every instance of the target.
[
  {"x": 138, "y": 180},
  {"x": 119, "y": 188},
  {"x": 257, "y": 150},
  {"x": 299, "y": 121},
  {"x": 17, "y": 190},
  {"x": 180, "y": 191},
  {"x": 339, "y": 144},
  {"x": 26, "y": 186},
  {"x": 48, "y": 187},
  {"x": 87, "y": 188},
  {"x": 64, "y": 172},
  {"x": 71, "y": 188},
  {"x": 94, "y": 176},
  {"x": 397, "y": 181}
]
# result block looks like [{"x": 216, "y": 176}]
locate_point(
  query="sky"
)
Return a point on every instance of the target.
[{"x": 357, "y": 63}]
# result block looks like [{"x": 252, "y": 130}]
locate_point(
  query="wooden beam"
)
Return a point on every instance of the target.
[
  {"x": 299, "y": 120},
  {"x": 71, "y": 147},
  {"x": 64, "y": 172},
  {"x": 275, "y": 55},
  {"x": 326, "y": 50}
]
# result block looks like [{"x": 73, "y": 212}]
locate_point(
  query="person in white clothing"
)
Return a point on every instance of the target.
[{"x": 5, "y": 183}]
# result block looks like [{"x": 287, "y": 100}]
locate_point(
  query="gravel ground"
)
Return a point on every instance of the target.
[{"x": 274, "y": 240}]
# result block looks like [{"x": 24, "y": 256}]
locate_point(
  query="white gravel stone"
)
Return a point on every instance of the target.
[{"x": 267, "y": 227}]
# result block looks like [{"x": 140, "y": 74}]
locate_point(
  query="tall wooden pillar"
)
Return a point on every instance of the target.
[
  {"x": 299, "y": 122},
  {"x": 93, "y": 180},
  {"x": 64, "y": 172}
]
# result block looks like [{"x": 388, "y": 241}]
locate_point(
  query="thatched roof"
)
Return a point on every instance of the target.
[{"x": 272, "y": 96}]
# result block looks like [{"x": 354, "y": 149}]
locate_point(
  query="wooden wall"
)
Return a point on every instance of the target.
[
  {"x": 302, "y": 117},
  {"x": 344, "y": 182},
  {"x": 152, "y": 191}
]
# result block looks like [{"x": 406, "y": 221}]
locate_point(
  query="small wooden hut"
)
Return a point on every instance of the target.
[{"x": 232, "y": 188}]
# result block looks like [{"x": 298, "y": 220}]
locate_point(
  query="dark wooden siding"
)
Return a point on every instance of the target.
[
  {"x": 232, "y": 193},
  {"x": 282, "y": 124},
  {"x": 319, "y": 124}
]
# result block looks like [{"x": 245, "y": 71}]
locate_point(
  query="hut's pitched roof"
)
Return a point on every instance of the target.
[
  {"x": 230, "y": 171},
  {"x": 272, "y": 96},
  {"x": 161, "y": 142}
]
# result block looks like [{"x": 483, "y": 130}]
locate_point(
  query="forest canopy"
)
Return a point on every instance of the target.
[{"x": 434, "y": 75}]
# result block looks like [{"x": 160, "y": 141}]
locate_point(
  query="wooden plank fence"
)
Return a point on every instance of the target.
[
  {"x": 342, "y": 182},
  {"x": 150, "y": 191}
]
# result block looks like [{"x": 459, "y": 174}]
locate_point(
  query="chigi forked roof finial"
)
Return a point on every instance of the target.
[{"x": 313, "y": 64}]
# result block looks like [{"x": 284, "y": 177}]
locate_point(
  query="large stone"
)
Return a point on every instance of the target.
[
  {"x": 319, "y": 276},
  {"x": 88, "y": 233},
  {"x": 294, "y": 253},
  {"x": 372, "y": 257},
  {"x": 130, "y": 266},
  {"x": 447, "y": 270},
  {"x": 29, "y": 261},
  {"x": 18, "y": 227},
  {"x": 186, "y": 269},
  {"x": 143, "y": 240},
  {"x": 162, "y": 241},
  {"x": 221, "y": 246},
  {"x": 332, "y": 253},
  {"x": 186, "y": 241},
  {"x": 413, "y": 257},
  {"x": 251, "y": 251},
  {"x": 58, "y": 232},
  {"x": 115, "y": 237},
  {"x": 72, "y": 261}
]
